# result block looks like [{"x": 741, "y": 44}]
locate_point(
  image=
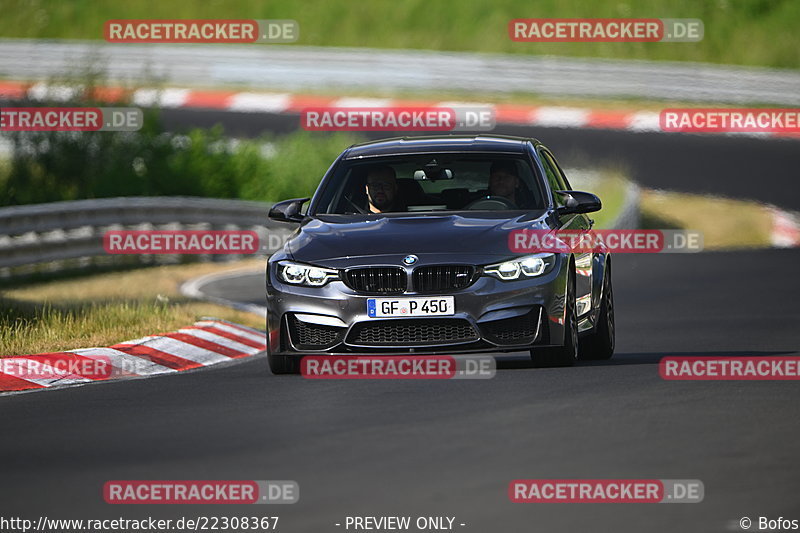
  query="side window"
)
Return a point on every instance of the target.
[
  {"x": 562, "y": 179},
  {"x": 553, "y": 176}
]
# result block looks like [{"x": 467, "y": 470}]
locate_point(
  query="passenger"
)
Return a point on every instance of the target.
[{"x": 504, "y": 181}]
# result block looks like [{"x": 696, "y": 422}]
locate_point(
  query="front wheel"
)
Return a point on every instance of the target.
[
  {"x": 599, "y": 344},
  {"x": 567, "y": 354},
  {"x": 283, "y": 364}
]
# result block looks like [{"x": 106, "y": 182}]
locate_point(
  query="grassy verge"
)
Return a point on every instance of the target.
[
  {"x": 106, "y": 309},
  {"x": 725, "y": 223},
  {"x": 748, "y": 32}
]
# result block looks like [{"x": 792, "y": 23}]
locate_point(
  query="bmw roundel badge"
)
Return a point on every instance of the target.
[{"x": 410, "y": 259}]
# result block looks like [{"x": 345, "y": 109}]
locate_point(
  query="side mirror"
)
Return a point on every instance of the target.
[
  {"x": 288, "y": 210},
  {"x": 578, "y": 202}
]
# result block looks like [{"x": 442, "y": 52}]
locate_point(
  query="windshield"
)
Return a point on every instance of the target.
[{"x": 431, "y": 182}]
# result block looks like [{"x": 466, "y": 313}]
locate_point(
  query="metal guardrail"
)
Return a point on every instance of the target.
[
  {"x": 52, "y": 233},
  {"x": 291, "y": 68},
  {"x": 629, "y": 216}
]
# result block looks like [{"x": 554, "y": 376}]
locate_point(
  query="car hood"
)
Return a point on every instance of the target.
[{"x": 339, "y": 241}]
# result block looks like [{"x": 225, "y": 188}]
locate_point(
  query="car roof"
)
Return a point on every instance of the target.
[{"x": 439, "y": 143}]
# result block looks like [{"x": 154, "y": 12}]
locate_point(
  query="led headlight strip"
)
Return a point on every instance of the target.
[
  {"x": 529, "y": 266},
  {"x": 308, "y": 275}
]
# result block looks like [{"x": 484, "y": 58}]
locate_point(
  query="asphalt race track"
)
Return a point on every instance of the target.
[{"x": 450, "y": 448}]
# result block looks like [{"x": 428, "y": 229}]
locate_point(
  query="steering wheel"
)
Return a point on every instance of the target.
[
  {"x": 491, "y": 203},
  {"x": 359, "y": 209}
]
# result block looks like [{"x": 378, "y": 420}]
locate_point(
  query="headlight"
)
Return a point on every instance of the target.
[
  {"x": 300, "y": 274},
  {"x": 525, "y": 267}
]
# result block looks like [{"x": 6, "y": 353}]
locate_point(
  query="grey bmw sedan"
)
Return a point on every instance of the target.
[{"x": 404, "y": 250}]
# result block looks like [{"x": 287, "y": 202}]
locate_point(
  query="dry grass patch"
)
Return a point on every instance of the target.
[
  {"x": 725, "y": 223},
  {"x": 105, "y": 309}
]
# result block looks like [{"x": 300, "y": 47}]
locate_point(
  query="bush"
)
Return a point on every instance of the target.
[
  {"x": 299, "y": 162},
  {"x": 55, "y": 166}
]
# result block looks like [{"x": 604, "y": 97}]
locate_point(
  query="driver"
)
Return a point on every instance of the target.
[
  {"x": 382, "y": 189},
  {"x": 504, "y": 181}
]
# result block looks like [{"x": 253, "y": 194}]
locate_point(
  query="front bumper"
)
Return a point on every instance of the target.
[{"x": 490, "y": 316}]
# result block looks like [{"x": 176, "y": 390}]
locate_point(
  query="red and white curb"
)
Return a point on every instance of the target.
[
  {"x": 266, "y": 102},
  {"x": 206, "y": 343},
  {"x": 785, "y": 229}
]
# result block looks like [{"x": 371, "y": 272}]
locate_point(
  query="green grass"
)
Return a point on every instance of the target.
[{"x": 748, "y": 32}]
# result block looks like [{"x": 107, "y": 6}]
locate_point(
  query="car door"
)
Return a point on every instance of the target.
[{"x": 575, "y": 221}]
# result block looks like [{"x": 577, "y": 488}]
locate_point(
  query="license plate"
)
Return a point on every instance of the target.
[{"x": 393, "y": 307}]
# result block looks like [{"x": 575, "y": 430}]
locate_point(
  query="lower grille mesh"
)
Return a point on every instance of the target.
[
  {"x": 313, "y": 336},
  {"x": 516, "y": 330},
  {"x": 410, "y": 332}
]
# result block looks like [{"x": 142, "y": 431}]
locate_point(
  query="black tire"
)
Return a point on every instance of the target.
[
  {"x": 567, "y": 354},
  {"x": 599, "y": 344},
  {"x": 283, "y": 364}
]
